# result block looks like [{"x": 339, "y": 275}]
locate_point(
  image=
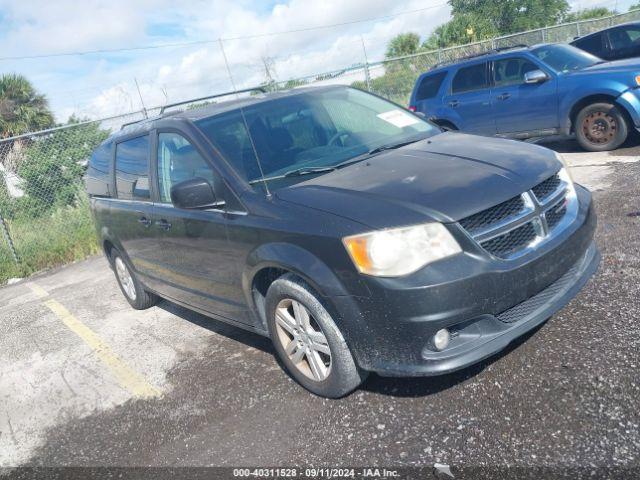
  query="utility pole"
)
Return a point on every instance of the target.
[
  {"x": 226, "y": 62},
  {"x": 367, "y": 76},
  {"x": 144, "y": 109}
]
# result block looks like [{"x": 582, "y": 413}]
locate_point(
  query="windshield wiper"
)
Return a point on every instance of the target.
[
  {"x": 308, "y": 171},
  {"x": 381, "y": 148},
  {"x": 392, "y": 146}
]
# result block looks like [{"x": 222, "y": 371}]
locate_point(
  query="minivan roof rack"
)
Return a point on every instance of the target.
[
  {"x": 184, "y": 102},
  {"x": 481, "y": 54},
  {"x": 209, "y": 97}
]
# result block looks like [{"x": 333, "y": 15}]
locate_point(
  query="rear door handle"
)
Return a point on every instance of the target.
[
  {"x": 163, "y": 224},
  {"x": 454, "y": 103},
  {"x": 504, "y": 96},
  {"x": 145, "y": 221}
]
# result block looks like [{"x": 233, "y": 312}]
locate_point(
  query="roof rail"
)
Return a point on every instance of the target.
[
  {"x": 245, "y": 90},
  {"x": 481, "y": 54}
]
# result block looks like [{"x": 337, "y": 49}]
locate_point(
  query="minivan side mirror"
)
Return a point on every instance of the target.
[
  {"x": 535, "y": 76},
  {"x": 195, "y": 193}
]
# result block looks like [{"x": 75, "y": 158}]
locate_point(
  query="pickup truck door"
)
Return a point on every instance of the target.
[{"x": 520, "y": 107}]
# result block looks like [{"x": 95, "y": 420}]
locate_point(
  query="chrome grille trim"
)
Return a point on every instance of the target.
[{"x": 534, "y": 214}]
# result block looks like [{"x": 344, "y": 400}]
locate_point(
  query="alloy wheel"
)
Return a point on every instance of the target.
[
  {"x": 303, "y": 340},
  {"x": 125, "y": 279}
]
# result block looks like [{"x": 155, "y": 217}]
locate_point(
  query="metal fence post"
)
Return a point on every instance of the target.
[{"x": 7, "y": 237}]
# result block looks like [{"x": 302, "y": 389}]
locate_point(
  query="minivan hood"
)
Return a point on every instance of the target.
[{"x": 445, "y": 178}]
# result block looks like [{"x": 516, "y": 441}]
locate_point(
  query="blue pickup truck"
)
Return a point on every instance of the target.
[{"x": 529, "y": 92}]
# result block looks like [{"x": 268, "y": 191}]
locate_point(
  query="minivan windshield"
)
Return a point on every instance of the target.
[
  {"x": 310, "y": 133},
  {"x": 565, "y": 58}
]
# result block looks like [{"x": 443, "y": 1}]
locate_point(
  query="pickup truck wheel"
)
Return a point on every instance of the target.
[
  {"x": 130, "y": 286},
  {"x": 307, "y": 340},
  {"x": 601, "y": 127}
]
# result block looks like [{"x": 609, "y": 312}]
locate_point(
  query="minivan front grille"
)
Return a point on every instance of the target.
[
  {"x": 509, "y": 243},
  {"x": 555, "y": 214},
  {"x": 544, "y": 190},
  {"x": 491, "y": 216},
  {"x": 511, "y": 228}
]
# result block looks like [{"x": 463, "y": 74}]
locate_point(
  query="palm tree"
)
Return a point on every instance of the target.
[{"x": 22, "y": 108}]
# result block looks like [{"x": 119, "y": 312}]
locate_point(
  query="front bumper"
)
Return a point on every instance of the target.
[{"x": 485, "y": 303}]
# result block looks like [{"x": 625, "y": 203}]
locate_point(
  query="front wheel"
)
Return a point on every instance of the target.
[
  {"x": 133, "y": 290},
  {"x": 308, "y": 341},
  {"x": 601, "y": 127}
]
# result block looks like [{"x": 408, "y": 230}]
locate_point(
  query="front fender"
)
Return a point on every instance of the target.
[
  {"x": 630, "y": 100},
  {"x": 318, "y": 275},
  {"x": 297, "y": 260}
]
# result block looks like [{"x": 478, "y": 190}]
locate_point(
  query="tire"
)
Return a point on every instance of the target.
[
  {"x": 340, "y": 375},
  {"x": 601, "y": 127},
  {"x": 131, "y": 288},
  {"x": 446, "y": 126}
]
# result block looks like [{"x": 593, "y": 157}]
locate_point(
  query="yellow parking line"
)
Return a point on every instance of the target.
[
  {"x": 38, "y": 290},
  {"x": 128, "y": 378}
]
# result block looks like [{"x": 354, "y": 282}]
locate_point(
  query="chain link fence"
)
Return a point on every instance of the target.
[
  {"x": 394, "y": 78},
  {"x": 44, "y": 214}
]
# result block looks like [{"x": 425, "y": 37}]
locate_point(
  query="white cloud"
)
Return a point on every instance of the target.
[{"x": 103, "y": 85}]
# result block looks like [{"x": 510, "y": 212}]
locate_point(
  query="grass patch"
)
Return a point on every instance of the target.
[{"x": 64, "y": 236}]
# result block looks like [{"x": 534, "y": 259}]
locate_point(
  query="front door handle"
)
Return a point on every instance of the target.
[
  {"x": 454, "y": 103},
  {"x": 145, "y": 221},
  {"x": 504, "y": 96},
  {"x": 163, "y": 224}
]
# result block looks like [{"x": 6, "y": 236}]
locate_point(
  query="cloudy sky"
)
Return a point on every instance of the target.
[{"x": 102, "y": 83}]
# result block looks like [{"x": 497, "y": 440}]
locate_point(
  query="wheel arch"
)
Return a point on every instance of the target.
[
  {"x": 448, "y": 124},
  {"x": 271, "y": 261},
  {"x": 595, "y": 98}
]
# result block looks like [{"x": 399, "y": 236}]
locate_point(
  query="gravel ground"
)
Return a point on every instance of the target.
[{"x": 565, "y": 396}]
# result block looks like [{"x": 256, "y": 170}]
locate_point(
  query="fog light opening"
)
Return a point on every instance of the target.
[{"x": 441, "y": 339}]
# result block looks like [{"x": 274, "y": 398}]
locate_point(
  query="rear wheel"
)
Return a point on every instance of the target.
[
  {"x": 308, "y": 341},
  {"x": 446, "y": 126},
  {"x": 601, "y": 127},
  {"x": 132, "y": 289}
]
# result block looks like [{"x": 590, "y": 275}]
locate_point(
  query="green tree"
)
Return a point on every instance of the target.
[
  {"x": 22, "y": 108},
  {"x": 635, "y": 6},
  {"x": 588, "y": 13},
  {"x": 54, "y": 164},
  {"x": 461, "y": 29},
  {"x": 403, "y": 44},
  {"x": 511, "y": 16}
]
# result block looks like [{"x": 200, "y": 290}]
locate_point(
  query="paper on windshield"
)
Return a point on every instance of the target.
[{"x": 398, "y": 118}]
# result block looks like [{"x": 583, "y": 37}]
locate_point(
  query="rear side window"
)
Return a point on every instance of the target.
[
  {"x": 429, "y": 86},
  {"x": 591, "y": 44},
  {"x": 98, "y": 176},
  {"x": 132, "y": 169},
  {"x": 470, "y": 78}
]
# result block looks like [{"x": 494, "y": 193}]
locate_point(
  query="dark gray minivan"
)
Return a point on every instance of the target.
[{"x": 354, "y": 233}]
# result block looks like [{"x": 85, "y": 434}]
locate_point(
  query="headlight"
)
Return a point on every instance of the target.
[
  {"x": 638, "y": 80},
  {"x": 400, "y": 251}
]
